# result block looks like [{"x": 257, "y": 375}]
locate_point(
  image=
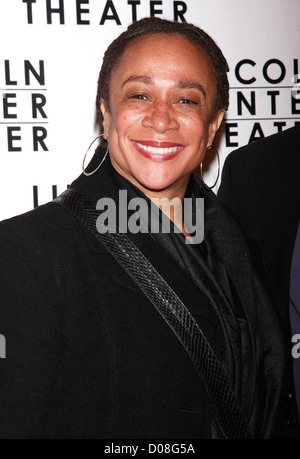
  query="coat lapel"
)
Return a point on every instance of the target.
[{"x": 252, "y": 306}]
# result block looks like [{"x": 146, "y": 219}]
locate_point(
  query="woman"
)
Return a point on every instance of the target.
[{"x": 91, "y": 353}]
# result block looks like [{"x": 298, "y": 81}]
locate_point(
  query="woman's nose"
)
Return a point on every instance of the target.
[{"x": 161, "y": 118}]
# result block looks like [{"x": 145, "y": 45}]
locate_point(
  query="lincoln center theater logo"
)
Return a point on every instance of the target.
[
  {"x": 55, "y": 11},
  {"x": 263, "y": 99},
  {"x": 24, "y": 101}
]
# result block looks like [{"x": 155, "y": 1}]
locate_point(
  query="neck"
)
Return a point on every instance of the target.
[{"x": 169, "y": 200}]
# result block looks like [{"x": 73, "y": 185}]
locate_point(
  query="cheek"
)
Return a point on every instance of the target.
[
  {"x": 125, "y": 120},
  {"x": 196, "y": 129}
]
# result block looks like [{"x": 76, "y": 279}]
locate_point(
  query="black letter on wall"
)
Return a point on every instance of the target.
[
  {"x": 153, "y": 11},
  {"x": 179, "y": 13},
  {"x": 80, "y": 11},
  {"x": 11, "y": 138},
  {"x": 7, "y": 104},
  {"x": 134, "y": 4},
  {"x": 59, "y": 10},
  {"x": 114, "y": 16},
  {"x": 40, "y": 77},
  {"x": 38, "y": 102},
  {"x": 29, "y": 10},
  {"x": 39, "y": 135},
  {"x": 241, "y": 99},
  {"x": 237, "y": 71}
]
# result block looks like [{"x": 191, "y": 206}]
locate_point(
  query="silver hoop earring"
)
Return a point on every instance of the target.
[
  {"x": 218, "y": 175},
  {"x": 98, "y": 167}
]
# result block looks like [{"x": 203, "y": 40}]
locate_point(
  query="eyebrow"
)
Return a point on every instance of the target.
[
  {"x": 190, "y": 85},
  {"x": 181, "y": 84},
  {"x": 142, "y": 79}
]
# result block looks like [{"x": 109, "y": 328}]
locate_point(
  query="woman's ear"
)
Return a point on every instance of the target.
[
  {"x": 214, "y": 126},
  {"x": 106, "y": 118}
]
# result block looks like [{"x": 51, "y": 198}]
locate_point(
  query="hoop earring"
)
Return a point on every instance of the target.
[
  {"x": 98, "y": 167},
  {"x": 218, "y": 175}
]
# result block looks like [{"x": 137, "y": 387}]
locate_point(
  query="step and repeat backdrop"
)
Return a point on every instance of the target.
[{"x": 50, "y": 56}]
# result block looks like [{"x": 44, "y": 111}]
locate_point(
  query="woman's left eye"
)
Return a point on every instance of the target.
[
  {"x": 187, "y": 101},
  {"x": 139, "y": 97}
]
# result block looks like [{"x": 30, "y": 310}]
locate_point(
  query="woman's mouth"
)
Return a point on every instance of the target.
[{"x": 157, "y": 151}]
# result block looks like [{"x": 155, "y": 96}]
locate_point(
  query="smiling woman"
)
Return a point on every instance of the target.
[
  {"x": 162, "y": 115},
  {"x": 151, "y": 333}
]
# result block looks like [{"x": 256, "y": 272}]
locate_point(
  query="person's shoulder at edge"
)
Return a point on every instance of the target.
[
  {"x": 273, "y": 146},
  {"x": 35, "y": 226},
  {"x": 246, "y": 168},
  {"x": 37, "y": 237}
]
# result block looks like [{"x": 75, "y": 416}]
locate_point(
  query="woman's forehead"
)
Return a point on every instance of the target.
[
  {"x": 165, "y": 59},
  {"x": 155, "y": 43},
  {"x": 163, "y": 53}
]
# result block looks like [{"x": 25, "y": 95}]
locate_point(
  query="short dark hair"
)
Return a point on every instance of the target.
[{"x": 152, "y": 26}]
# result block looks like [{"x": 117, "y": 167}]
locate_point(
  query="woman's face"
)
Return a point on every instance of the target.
[{"x": 159, "y": 121}]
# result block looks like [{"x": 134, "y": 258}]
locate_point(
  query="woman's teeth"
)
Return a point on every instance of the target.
[{"x": 157, "y": 150}]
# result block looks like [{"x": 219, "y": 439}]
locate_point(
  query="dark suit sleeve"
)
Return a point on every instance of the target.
[{"x": 30, "y": 321}]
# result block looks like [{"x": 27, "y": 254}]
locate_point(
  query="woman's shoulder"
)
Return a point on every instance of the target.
[{"x": 37, "y": 231}]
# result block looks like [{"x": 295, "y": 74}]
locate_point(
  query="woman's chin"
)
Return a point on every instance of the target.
[{"x": 155, "y": 184}]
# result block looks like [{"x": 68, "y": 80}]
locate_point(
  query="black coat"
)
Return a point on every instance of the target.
[
  {"x": 261, "y": 185},
  {"x": 88, "y": 356}
]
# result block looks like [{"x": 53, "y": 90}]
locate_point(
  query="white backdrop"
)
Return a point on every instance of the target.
[{"x": 51, "y": 52}]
